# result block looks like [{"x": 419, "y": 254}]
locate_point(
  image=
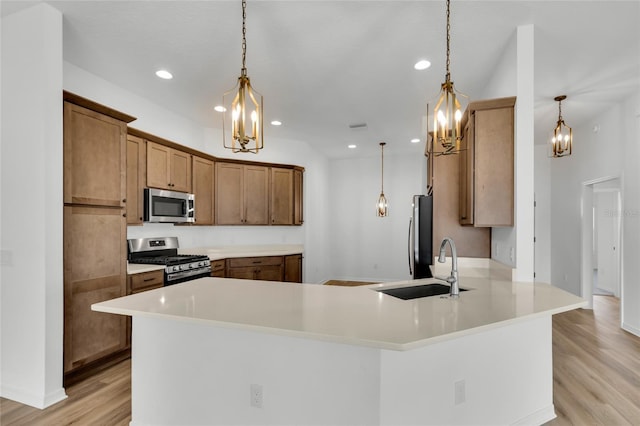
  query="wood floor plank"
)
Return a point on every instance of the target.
[{"x": 596, "y": 379}]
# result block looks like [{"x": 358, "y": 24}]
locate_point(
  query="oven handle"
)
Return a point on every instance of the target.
[{"x": 183, "y": 274}]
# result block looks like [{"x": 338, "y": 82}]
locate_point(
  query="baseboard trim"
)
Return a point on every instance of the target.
[
  {"x": 631, "y": 329},
  {"x": 537, "y": 418},
  {"x": 37, "y": 401}
]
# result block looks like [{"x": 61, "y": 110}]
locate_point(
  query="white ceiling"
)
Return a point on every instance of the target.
[{"x": 322, "y": 65}]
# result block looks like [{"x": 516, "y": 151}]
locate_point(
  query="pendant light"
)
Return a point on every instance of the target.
[
  {"x": 447, "y": 114},
  {"x": 562, "y": 140},
  {"x": 381, "y": 205},
  {"x": 240, "y": 104}
]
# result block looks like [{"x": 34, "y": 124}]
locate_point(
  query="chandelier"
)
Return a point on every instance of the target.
[
  {"x": 447, "y": 114},
  {"x": 562, "y": 140},
  {"x": 381, "y": 205},
  {"x": 245, "y": 103}
]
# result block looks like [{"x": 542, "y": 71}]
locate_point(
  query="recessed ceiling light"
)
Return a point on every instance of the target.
[
  {"x": 276, "y": 123},
  {"x": 164, "y": 74},
  {"x": 352, "y": 146},
  {"x": 422, "y": 65},
  {"x": 219, "y": 108},
  {"x": 415, "y": 140}
]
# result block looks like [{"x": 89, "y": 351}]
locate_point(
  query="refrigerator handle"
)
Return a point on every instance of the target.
[{"x": 409, "y": 245}]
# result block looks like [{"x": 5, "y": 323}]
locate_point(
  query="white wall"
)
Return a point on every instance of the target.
[
  {"x": 612, "y": 151},
  {"x": 159, "y": 121},
  {"x": 31, "y": 243},
  {"x": 363, "y": 246}
]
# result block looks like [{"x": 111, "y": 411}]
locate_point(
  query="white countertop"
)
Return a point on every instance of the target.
[
  {"x": 351, "y": 315},
  {"x": 225, "y": 252}
]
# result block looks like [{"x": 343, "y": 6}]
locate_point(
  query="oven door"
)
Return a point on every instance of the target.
[
  {"x": 182, "y": 276},
  {"x": 168, "y": 206}
]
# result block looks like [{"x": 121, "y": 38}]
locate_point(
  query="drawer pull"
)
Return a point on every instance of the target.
[{"x": 148, "y": 279}]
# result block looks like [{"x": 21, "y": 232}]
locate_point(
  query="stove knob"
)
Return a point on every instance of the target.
[{"x": 176, "y": 268}]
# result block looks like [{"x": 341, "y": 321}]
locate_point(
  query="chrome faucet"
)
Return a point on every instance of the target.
[{"x": 453, "y": 278}]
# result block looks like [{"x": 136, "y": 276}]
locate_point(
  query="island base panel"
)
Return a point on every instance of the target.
[{"x": 186, "y": 373}]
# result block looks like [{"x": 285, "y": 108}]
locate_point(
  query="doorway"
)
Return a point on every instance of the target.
[{"x": 601, "y": 238}]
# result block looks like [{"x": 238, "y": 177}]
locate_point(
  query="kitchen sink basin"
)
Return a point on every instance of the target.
[{"x": 418, "y": 291}]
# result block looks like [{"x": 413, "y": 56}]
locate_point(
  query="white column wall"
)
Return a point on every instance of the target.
[{"x": 31, "y": 240}]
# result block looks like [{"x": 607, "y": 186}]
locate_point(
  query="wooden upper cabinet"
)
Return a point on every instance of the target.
[
  {"x": 256, "y": 195},
  {"x": 487, "y": 168},
  {"x": 168, "y": 168},
  {"x": 242, "y": 194},
  {"x": 229, "y": 184},
  {"x": 298, "y": 198},
  {"x": 94, "y": 158},
  {"x": 136, "y": 174},
  {"x": 281, "y": 196},
  {"x": 203, "y": 172}
]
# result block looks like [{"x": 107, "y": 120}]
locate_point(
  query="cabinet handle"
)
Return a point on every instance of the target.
[
  {"x": 257, "y": 262},
  {"x": 124, "y": 200},
  {"x": 148, "y": 279},
  {"x": 124, "y": 215}
]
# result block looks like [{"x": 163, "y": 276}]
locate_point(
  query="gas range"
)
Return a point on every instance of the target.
[{"x": 164, "y": 251}]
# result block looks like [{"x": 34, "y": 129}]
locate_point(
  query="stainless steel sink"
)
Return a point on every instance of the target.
[{"x": 418, "y": 291}]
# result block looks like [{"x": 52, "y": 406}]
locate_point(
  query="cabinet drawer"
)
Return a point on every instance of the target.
[
  {"x": 145, "y": 281},
  {"x": 217, "y": 265},
  {"x": 255, "y": 261}
]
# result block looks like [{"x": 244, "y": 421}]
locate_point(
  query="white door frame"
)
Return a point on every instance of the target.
[{"x": 586, "y": 271}]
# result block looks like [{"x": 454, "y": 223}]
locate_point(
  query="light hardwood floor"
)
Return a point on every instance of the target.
[{"x": 596, "y": 379}]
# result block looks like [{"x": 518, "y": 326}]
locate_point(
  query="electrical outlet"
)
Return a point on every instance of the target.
[
  {"x": 511, "y": 253},
  {"x": 459, "y": 395},
  {"x": 255, "y": 395}
]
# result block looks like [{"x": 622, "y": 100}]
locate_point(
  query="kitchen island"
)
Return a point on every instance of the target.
[{"x": 224, "y": 351}]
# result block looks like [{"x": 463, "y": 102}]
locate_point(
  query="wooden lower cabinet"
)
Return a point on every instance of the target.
[
  {"x": 94, "y": 271},
  {"x": 293, "y": 268},
  {"x": 137, "y": 283},
  {"x": 267, "y": 268},
  {"x": 217, "y": 268}
]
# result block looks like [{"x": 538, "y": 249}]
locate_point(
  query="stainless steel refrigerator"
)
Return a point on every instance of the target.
[{"x": 421, "y": 237}]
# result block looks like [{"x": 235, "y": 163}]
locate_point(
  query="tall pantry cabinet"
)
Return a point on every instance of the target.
[{"x": 95, "y": 147}]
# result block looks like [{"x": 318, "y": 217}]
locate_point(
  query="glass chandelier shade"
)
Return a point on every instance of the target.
[
  {"x": 561, "y": 142},
  {"x": 243, "y": 115},
  {"x": 382, "y": 205},
  {"x": 447, "y": 114}
]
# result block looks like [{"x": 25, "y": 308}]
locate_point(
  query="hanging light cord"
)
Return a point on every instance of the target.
[
  {"x": 448, "y": 76},
  {"x": 559, "y": 110},
  {"x": 244, "y": 37},
  {"x": 382, "y": 168}
]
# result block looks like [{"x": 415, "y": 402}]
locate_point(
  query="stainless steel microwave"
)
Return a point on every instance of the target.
[{"x": 168, "y": 206}]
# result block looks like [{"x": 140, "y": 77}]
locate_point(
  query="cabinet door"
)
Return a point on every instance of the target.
[
  {"x": 136, "y": 171},
  {"x": 94, "y": 158},
  {"x": 281, "y": 196},
  {"x": 179, "y": 171},
  {"x": 493, "y": 186},
  {"x": 94, "y": 271},
  {"x": 298, "y": 200},
  {"x": 269, "y": 273},
  {"x": 158, "y": 159},
  {"x": 229, "y": 183},
  {"x": 203, "y": 172},
  {"x": 293, "y": 268},
  {"x": 256, "y": 195},
  {"x": 467, "y": 173}
]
